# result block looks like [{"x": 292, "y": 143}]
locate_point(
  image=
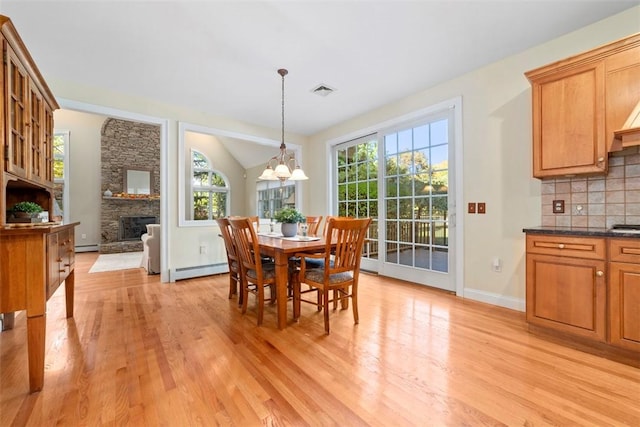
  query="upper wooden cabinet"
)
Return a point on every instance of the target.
[
  {"x": 26, "y": 133},
  {"x": 578, "y": 105}
]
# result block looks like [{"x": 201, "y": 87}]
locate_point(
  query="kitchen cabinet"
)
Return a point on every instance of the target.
[
  {"x": 624, "y": 293},
  {"x": 566, "y": 284},
  {"x": 577, "y": 105},
  {"x": 568, "y": 122}
]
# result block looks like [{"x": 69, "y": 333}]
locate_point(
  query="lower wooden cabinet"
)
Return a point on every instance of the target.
[
  {"x": 624, "y": 293},
  {"x": 567, "y": 293},
  {"x": 585, "y": 286},
  {"x": 60, "y": 258}
]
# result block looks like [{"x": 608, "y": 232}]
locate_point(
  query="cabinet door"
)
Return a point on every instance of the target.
[
  {"x": 47, "y": 145},
  {"x": 623, "y": 91},
  {"x": 624, "y": 293},
  {"x": 567, "y": 294},
  {"x": 35, "y": 135},
  {"x": 17, "y": 110},
  {"x": 53, "y": 264},
  {"x": 66, "y": 245},
  {"x": 568, "y": 122}
]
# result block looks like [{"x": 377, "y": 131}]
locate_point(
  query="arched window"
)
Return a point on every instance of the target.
[{"x": 209, "y": 190}]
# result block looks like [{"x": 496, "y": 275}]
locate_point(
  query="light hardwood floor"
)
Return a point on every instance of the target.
[{"x": 138, "y": 352}]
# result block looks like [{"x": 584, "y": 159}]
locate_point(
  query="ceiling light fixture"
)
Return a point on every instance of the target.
[{"x": 286, "y": 167}]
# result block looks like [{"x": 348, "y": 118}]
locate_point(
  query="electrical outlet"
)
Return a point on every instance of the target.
[
  {"x": 203, "y": 249},
  {"x": 472, "y": 208},
  {"x": 482, "y": 207},
  {"x": 558, "y": 206}
]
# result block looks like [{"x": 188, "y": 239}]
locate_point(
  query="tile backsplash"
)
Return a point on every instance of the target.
[{"x": 598, "y": 201}]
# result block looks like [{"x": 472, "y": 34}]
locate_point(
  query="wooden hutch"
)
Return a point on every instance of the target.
[{"x": 35, "y": 258}]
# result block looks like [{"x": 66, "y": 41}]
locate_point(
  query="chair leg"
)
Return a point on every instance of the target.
[
  {"x": 232, "y": 285},
  {"x": 354, "y": 303},
  {"x": 260, "y": 303},
  {"x": 325, "y": 300},
  {"x": 345, "y": 301},
  {"x": 245, "y": 297}
]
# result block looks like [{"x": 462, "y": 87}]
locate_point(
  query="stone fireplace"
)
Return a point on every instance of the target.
[{"x": 127, "y": 145}]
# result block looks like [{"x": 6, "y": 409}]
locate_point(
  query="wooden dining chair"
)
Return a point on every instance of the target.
[
  {"x": 256, "y": 275},
  {"x": 235, "y": 274},
  {"x": 341, "y": 268},
  {"x": 313, "y": 223}
]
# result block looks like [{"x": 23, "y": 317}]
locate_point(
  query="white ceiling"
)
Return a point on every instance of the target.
[{"x": 221, "y": 57}]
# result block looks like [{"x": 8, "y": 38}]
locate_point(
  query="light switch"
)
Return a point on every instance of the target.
[
  {"x": 472, "y": 208},
  {"x": 482, "y": 208}
]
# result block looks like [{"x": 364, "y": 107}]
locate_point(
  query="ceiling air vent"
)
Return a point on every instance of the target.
[{"x": 322, "y": 90}]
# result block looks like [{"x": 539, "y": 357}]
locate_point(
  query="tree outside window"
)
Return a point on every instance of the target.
[
  {"x": 60, "y": 140},
  {"x": 209, "y": 190}
]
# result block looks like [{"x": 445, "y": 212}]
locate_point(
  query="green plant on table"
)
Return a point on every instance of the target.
[{"x": 289, "y": 216}]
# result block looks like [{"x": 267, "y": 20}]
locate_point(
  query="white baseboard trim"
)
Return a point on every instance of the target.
[
  {"x": 197, "y": 271},
  {"x": 88, "y": 248},
  {"x": 495, "y": 299}
]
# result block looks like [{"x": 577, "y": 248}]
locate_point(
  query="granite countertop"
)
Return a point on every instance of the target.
[{"x": 581, "y": 231}]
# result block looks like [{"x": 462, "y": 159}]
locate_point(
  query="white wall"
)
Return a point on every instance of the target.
[
  {"x": 497, "y": 156},
  {"x": 84, "y": 179}
]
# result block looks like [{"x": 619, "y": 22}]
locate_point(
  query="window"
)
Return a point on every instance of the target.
[
  {"x": 60, "y": 172},
  {"x": 357, "y": 175},
  {"x": 273, "y": 196},
  {"x": 209, "y": 190}
]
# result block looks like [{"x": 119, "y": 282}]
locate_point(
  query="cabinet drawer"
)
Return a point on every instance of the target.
[
  {"x": 624, "y": 250},
  {"x": 577, "y": 247}
]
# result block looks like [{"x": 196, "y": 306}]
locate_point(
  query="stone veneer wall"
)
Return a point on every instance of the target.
[
  {"x": 126, "y": 145},
  {"x": 599, "y": 201}
]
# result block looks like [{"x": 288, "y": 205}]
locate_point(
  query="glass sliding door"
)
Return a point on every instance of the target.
[
  {"x": 416, "y": 198},
  {"x": 403, "y": 178}
]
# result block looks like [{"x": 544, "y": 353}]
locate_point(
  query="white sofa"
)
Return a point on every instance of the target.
[{"x": 151, "y": 249}]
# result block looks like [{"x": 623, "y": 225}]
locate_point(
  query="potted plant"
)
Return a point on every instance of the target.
[
  {"x": 289, "y": 217},
  {"x": 26, "y": 210}
]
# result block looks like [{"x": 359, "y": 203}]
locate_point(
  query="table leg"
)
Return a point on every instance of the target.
[
  {"x": 8, "y": 320},
  {"x": 69, "y": 285},
  {"x": 35, "y": 348},
  {"x": 282, "y": 273}
]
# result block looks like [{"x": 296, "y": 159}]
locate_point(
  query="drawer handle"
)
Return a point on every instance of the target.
[
  {"x": 561, "y": 246},
  {"x": 600, "y": 159},
  {"x": 599, "y": 273}
]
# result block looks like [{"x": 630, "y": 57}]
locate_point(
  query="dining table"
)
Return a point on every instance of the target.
[{"x": 281, "y": 249}]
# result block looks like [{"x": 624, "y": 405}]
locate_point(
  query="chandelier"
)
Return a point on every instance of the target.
[{"x": 283, "y": 166}]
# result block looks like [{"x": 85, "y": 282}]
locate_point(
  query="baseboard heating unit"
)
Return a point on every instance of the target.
[{"x": 197, "y": 271}]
